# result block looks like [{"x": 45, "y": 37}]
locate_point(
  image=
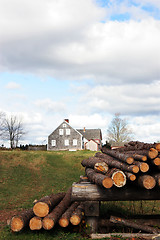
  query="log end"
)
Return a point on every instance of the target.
[
  {"x": 135, "y": 169},
  {"x": 63, "y": 222},
  {"x": 41, "y": 209},
  {"x": 153, "y": 153},
  {"x": 107, "y": 182},
  {"x": 156, "y": 161},
  {"x": 149, "y": 182},
  {"x": 144, "y": 167},
  {"x": 75, "y": 220},
  {"x": 132, "y": 177},
  {"x": 35, "y": 223},
  {"x": 16, "y": 224},
  {"x": 47, "y": 223},
  {"x": 144, "y": 158},
  {"x": 130, "y": 160},
  {"x": 119, "y": 178}
]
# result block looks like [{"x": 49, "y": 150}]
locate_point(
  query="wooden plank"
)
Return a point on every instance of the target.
[
  {"x": 125, "y": 235},
  {"x": 92, "y": 192}
]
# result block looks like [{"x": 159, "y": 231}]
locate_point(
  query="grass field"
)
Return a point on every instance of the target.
[{"x": 26, "y": 176}]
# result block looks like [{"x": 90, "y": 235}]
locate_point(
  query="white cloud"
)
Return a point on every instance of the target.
[
  {"x": 12, "y": 85},
  {"x": 50, "y": 106}
]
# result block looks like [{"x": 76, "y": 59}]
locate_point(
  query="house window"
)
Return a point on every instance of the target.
[
  {"x": 53, "y": 142},
  {"x": 68, "y": 131},
  {"x": 74, "y": 142},
  {"x": 66, "y": 142},
  {"x": 60, "y": 131},
  {"x": 64, "y": 125}
]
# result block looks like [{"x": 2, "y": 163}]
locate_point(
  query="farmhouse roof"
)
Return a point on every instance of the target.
[{"x": 91, "y": 133}]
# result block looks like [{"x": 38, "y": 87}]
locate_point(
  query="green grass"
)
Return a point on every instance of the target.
[{"x": 26, "y": 176}]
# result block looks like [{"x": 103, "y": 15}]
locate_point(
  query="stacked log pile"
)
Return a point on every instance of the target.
[
  {"x": 49, "y": 210},
  {"x": 136, "y": 162}
]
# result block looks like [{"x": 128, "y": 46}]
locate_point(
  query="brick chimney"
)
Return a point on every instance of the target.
[
  {"x": 67, "y": 120},
  {"x": 84, "y": 129}
]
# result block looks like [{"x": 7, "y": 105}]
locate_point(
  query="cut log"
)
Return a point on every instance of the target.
[
  {"x": 146, "y": 181},
  {"x": 35, "y": 223},
  {"x": 130, "y": 176},
  {"x": 43, "y": 206},
  {"x": 153, "y": 153},
  {"x": 118, "y": 177},
  {"x": 101, "y": 167},
  {"x": 90, "y": 162},
  {"x": 132, "y": 224},
  {"x": 77, "y": 215},
  {"x": 140, "y": 157},
  {"x": 121, "y": 156},
  {"x": 21, "y": 220},
  {"x": 144, "y": 167},
  {"x": 156, "y": 161},
  {"x": 112, "y": 162},
  {"x": 99, "y": 178},
  {"x": 50, "y": 220},
  {"x": 65, "y": 218}
]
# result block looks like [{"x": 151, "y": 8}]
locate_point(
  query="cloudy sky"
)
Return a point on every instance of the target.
[{"x": 83, "y": 60}]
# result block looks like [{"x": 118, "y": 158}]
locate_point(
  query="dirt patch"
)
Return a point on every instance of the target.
[{"x": 5, "y": 217}]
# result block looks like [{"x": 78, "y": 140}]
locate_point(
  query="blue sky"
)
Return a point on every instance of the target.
[{"x": 83, "y": 60}]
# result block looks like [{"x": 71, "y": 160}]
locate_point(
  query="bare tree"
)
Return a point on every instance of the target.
[
  {"x": 118, "y": 130},
  {"x": 13, "y": 130},
  {"x": 2, "y": 117}
]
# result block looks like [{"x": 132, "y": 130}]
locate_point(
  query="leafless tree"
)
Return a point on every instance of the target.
[
  {"x": 2, "y": 117},
  {"x": 118, "y": 130},
  {"x": 13, "y": 130}
]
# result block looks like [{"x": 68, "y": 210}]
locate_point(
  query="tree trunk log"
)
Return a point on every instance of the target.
[
  {"x": 146, "y": 181},
  {"x": 112, "y": 162},
  {"x": 157, "y": 178},
  {"x": 50, "y": 220},
  {"x": 139, "y": 157},
  {"x": 121, "y": 156},
  {"x": 77, "y": 215},
  {"x": 99, "y": 178},
  {"x": 130, "y": 176},
  {"x": 118, "y": 177},
  {"x": 21, "y": 220},
  {"x": 65, "y": 218},
  {"x": 129, "y": 223},
  {"x": 43, "y": 206},
  {"x": 35, "y": 223}
]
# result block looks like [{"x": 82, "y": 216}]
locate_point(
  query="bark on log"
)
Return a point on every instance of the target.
[
  {"x": 140, "y": 157},
  {"x": 50, "y": 220},
  {"x": 132, "y": 224},
  {"x": 65, "y": 218},
  {"x": 112, "y": 162},
  {"x": 130, "y": 176},
  {"x": 101, "y": 167},
  {"x": 99, "y": 178},
  {"x": 21, "y": 220},
  {"x": 118, "y": 177},
  {"x": 90, "y": 162},
  {"x": 146, "y": 181},
  {"x": 35, "y": 223},
  {"x": 77, "y": 215},
  {"x": 43, "y": 206},
  {"x": 121, "y": 156}
]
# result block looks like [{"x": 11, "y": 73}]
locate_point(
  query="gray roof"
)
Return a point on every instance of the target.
[{"x": 91, "y": 133}]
